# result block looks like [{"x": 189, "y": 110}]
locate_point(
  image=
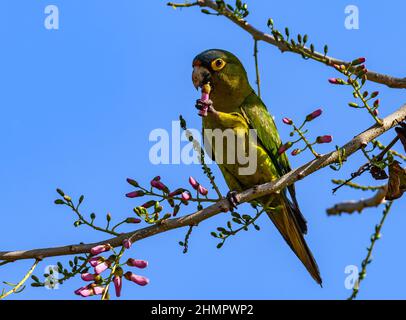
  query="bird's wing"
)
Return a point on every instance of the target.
[{"x": 259, "y": 119}]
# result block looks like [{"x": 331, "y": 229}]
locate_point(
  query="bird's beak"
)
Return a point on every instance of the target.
[{"x": 200, "y": 76}]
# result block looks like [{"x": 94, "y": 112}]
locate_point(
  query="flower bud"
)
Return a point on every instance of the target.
[
  {"x": 94, "y": 261},
  {"x": 314, "y": 115},
  {"x": 132, "y": 220},
  {"x": 358, "y": 61},
  {"x": 87, "y": 276},
  {"x": 148, "y": 204},
  {"x": 99, "y": 249},
  {"x": 135, "y": 194},
  {"x": 127, "y": 243},
  {"x": 158, "y": 185},
  {"x": 193, "y": 183},
  {"x": 336, "y": 81},
  {"x": 118, "y": 283},
  {"x": 324, "y": 139},
  {"x": 285, "y": 147},
  {"x": 102, "y": 267},
  {"x": 185, "y": 196},
  {"x": 374, "y": 94},
  {"x": 137, "y": 263},
  {"x": 140, "y": 280},
  {"x": 133, "y": 182},
  {"x": 202, "y": 190},
  {"x": 376, "y": 103},
  {"x": 287, "y": 121},
  {"x": 296, "y": 152}
]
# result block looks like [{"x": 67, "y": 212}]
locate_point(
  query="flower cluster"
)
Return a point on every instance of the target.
[
  {"x": 99, "y": 285},
  {"x": 150, "y": 211},
  {"x": 298, "y": 130},
  {"x": 356, "y": 76}
]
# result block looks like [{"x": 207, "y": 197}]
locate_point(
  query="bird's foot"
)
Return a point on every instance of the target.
[
  {"x": 204, "y": 107},
  {"x": 232, "y": 198}
]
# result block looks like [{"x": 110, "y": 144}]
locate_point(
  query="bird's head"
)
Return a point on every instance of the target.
[{"x": 224, "y": 71}]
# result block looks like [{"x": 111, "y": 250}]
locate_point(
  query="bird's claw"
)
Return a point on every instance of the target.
[
  {"x": 232, "y": 199},
  {"x": 204, "y": 106}
]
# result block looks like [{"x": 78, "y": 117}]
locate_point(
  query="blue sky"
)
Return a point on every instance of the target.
[{"x": 78, "y": 105}]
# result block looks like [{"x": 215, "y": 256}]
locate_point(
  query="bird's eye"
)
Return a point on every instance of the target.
[{"x": 218, "y": 64}]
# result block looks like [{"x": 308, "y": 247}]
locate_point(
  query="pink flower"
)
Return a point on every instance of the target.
[
  {"x": 202, "y": 190},
  {"x": 100, "y": 248},
  {"x": 287, "y": 121},
  {"x": 98, "y": 290},
  {"x": 87, "y": 276},
  {"x": 193, "y": 183},
  {"x": 137, "y": 263},
  {"x": 324, "y": 139},
  {"x": 118, "y": 283},
  {"x": 140, "y": 280},
  {"x": 314, "y": 115},
  {"x": 185, "y": 196},
  {"x": 95, "y": 261},
  {"x": 135, "y": 194},
  {"x": 127, "y": 243},
  {"x": 101, "y": 267},
  {"x": 84, "y": 291}
]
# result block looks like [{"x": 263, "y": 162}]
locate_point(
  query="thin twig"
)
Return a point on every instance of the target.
[
  {"x": 367, "y": 260},
  {"x": 258, "y": 81},
  {"x": 387, "y": 80},
  {"x": 23, "y": 280}
]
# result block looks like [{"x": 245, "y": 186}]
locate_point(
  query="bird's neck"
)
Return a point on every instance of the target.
[{"x": 229, "y": 99}]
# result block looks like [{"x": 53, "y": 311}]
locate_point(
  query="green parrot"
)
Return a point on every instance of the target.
[{"x": 232, "y": 104}]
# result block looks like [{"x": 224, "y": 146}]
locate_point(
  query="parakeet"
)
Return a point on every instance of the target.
[{"x": 231, "y": 103}]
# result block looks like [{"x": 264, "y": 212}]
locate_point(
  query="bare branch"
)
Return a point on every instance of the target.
[
  {"x": 351, "y": 147},
  {"x": 358, "y": 206},
  {"x": 387, "y": 80}
]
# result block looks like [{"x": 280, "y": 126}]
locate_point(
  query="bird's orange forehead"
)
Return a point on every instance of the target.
[{"x": 196, "y": 63}]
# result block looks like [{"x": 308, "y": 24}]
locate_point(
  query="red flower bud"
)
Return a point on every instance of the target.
[
  {"x": 127, "y": 243},
  {"x": 358, "y": 61},
  {"x": 374, "y": 94},
  {"x": 287, "y": 121},
  {"x": 324, "y": 139},
  {"x": 118, "y": 283},
  {"x": 158, "y": 185},
  {"x": 295, "y": 152},
  {"x": 132, "y": 220},
  {"x": 336, "y": 81},
  {"x": 135, "y": 194},
  {"x": 314, "y": 115},
  {"x": 87, "y": 276},
  {"x": 376, "y": 103},
  {"x": 284, "y": 147}
]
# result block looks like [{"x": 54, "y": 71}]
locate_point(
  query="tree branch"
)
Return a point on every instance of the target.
[
  {"x": 351, "y": 147},
  {"x": 352, "y": 206},
  {"x": 387, "y": 80}
]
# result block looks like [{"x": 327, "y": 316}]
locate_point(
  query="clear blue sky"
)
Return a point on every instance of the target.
[{"x": 78, "y": 104}]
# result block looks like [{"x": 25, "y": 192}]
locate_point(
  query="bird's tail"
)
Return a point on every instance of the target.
[{"x": 285, "y": 217}]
